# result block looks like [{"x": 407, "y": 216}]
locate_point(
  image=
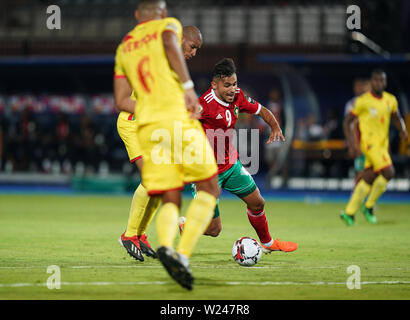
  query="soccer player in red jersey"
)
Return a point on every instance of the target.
[{"x": 221, "y": 105}]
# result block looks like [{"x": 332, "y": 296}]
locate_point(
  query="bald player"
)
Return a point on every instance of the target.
[
  {"x": 143, "y": 207},
  {"x": 191, "y": 41}
]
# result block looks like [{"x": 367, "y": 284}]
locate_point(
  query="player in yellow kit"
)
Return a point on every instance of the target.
[
  {"x": 151, "y": 62},
  {"x": 373, "y": 111},
  {"x": 143, "y": 207}
]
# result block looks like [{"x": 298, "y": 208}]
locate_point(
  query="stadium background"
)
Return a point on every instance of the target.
[
  {"x": 66, "y": 183},
  {"x": 58, "y": 119}
]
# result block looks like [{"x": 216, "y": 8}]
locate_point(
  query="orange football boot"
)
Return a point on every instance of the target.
[{"x": 277, "y": 245}]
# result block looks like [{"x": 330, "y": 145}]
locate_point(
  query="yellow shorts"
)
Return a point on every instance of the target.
[
  {"x": 127, "y": 129},
  {"x": 377, "y": 158},
  {"x": 175, "y": 152}
]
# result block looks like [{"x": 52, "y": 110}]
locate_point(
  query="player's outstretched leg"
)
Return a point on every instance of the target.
[{"x": 258, "y": 220}]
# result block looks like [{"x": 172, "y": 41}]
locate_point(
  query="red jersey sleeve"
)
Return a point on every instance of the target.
[{"x": 247, "y": 104}]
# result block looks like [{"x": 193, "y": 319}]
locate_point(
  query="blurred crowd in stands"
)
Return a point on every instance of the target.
[
  {"x": 53, "y": 133},
  {"x": 77, "y": 133}
]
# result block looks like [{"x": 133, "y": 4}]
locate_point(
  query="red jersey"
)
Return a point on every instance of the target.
[{"x": 218, "y": 119}]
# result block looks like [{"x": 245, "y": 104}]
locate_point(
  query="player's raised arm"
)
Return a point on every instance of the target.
[
  {"x": 122, "y": 93},
  {"x": 269, "y": 118},
  {"x": 353, "y": 147},
  {"x": 400, "y": 125},
  {"x": 178, "y": 64}
]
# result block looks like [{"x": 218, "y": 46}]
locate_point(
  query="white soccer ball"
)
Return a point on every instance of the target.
[{"x": 246, "y": 251}]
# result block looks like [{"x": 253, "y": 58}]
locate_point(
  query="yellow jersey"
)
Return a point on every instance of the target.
[
  {"x": 374, "y": 118},
  {"x": 142, "y": 59},
  {"x": 127, "y": 115}
]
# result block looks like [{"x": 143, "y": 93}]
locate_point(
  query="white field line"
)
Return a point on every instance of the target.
[
  {"x": 313, "y": 283},
  {"x": 159, "y": 267},
  {"x": 228, "y": 283},
  {"x": 192, "y": 266},
  {"x": 97, "y": 283}
]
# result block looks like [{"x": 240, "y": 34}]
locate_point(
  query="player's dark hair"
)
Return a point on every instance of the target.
[
  {"x": 224, "y": 68},
  {"x": 377, "y": 72}
]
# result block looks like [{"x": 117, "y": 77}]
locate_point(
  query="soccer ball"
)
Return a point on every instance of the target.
[{"x": 246, "y": 251}]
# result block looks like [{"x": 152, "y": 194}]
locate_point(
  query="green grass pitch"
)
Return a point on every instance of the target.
[{"x": 79, "y": 234}]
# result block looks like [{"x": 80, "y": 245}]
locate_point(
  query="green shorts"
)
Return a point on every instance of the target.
[{"x": 236, "y": 180}]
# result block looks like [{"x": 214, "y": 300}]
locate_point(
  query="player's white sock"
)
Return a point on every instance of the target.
[{"x": 268, "y": 244}]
